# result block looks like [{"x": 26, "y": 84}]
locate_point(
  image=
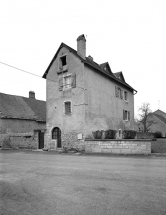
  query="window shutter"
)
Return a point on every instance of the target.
[
  {"x": 116, "y": 91},
  {"x": 123, "y": 114},
  {"x": 73, "y": 81},
  {"x": 129, "y": 115},
  {"x": 121, "y": 94},
  {"x": 60, "y": 84}
]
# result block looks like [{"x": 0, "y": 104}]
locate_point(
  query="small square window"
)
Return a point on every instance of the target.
[{"x": 67, "y": 107}]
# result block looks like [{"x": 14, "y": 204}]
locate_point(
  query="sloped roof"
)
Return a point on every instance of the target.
[
  {"x": 160, "y": 112},
  {"x": 163, "y": 119},
  {"x": 90, "y": 63},
  {"x": 18, "y": 107}
]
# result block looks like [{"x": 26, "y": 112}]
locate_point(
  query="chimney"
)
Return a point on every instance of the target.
[
  {"x": 81, "y": 46},
  {"x": 90, "y": 58},
  {"x": 32, "y": 94}
]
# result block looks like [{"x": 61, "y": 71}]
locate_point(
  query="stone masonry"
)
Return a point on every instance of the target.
[{"x": 118, "y": 146}]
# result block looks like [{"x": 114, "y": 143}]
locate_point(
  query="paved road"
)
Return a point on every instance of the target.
[{"x": 46, "y": 183}]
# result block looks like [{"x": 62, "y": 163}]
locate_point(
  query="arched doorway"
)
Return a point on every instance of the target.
[{"x": 56, "y": 135}]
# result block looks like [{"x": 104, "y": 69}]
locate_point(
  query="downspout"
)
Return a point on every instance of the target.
[{"x": 84, "y": 100}]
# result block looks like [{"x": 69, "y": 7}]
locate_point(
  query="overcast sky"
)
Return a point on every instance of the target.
[{"x": 129, "y": 34}]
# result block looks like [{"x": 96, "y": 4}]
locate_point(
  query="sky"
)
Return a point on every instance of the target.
[{"x": 129, "y": 34}]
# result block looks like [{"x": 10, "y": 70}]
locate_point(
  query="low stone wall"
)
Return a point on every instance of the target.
[
  {"x": 19, "y": 140},
  {"x": 118, "y": 146}
]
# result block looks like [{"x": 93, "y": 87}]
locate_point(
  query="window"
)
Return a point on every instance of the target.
[
  {"x": 67, "y": 82},
  {"x": 126, "y": 115},
  {"x": 118, "y": 92},
  {"x": 67, "y": 108},
  {"x": 125, "y": 96},
  {"x": 63, "y": 63}
]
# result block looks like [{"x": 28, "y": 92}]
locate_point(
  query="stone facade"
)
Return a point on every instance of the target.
[
  {"x": 71, "y": 140},
  {"x": 118, "y": 146}
]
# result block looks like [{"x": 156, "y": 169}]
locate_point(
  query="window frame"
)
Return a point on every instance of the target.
[
  {"x": 125, "y": 93},
  {"x": 63, "y": 82},
  {"x": 64, "y": 108},
  {"x": 126, "y": 115},
  {"x": 60, "y": 66}
]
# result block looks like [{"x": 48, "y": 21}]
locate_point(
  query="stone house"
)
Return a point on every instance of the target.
[
  {"x": 157, "y": 119},
  {"x": 84, "y": 96},
  {"x": 20, "y": 115}
]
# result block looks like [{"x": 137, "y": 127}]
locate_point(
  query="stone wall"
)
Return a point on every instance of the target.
[
  {"x": 118, "y": 146},
  {"x": 70, "y": 140},
  {"x": 19, "y": 140}
]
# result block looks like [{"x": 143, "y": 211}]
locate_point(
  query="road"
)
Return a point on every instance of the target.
[{"x": 47, "y": 183}]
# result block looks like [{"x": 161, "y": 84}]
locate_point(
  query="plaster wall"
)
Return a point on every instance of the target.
[
  {"x": 55, "y": 98},
  {"x": 104, "y": 110}
]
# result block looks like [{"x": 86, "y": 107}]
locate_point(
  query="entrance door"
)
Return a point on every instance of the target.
[
  {"x": 56, "y": 135},
  {"x": 41, "y": 139}
]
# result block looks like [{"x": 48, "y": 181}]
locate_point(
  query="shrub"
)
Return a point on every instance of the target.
[
  {"x": 129, "y": 134},
  {"x": 110, "y": 134},
  {"x": 98, "y": 134},
  {"x": 157, "y": 134}
]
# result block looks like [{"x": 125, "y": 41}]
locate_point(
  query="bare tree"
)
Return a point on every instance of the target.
[{"x": 145, "y": 116}]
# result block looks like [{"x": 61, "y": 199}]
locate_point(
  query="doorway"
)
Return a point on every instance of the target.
[
  {"x": 56, "y": 135},
  {"x": 41, "y": 139}
]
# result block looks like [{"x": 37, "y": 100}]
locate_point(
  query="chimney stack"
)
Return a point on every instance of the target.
[
  {"x": 81, "y": 46},
  {"x": 32, "y": 94}
]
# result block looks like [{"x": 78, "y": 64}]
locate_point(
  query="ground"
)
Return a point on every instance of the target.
[{"x": 48, "y": 183}]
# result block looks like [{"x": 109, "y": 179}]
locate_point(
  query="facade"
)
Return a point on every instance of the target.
[
  {"x": 83, "y": 96},
  {"x": 22, "y": 115},
  {"x": 157, "y": 119}
]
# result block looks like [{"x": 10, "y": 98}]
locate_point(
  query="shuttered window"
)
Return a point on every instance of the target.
[
  {"x": 66, "y": 82},
  {"x": 126, "y": 115}
]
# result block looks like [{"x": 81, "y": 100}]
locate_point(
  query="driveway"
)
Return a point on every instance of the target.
[{"x": 47, "y": 183}]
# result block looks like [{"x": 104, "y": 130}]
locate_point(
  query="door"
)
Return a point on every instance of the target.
[
  {"x": 41, "y": 139},
  {"x": 56, "y": 135}
]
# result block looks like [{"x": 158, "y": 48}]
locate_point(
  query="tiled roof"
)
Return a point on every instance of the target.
[
  {"x": 163, "y": 119},
  {"x": 90, "y": 63},
  {"x": 18, "y": 107}
]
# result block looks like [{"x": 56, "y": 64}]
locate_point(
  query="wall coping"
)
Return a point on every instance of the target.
[{"x": 119, "y": 140}]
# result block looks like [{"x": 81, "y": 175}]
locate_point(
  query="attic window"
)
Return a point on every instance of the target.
[
  {"x": 63, "y": 60},
  {"x": 63, "y": 63}
]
